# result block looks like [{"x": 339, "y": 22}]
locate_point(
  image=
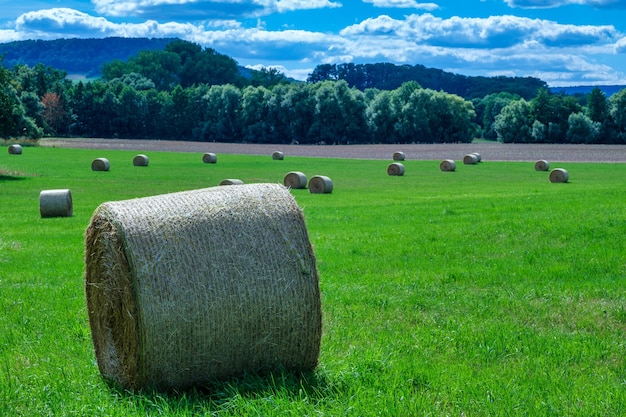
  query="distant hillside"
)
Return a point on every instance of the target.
[{"x": 608, "y": 90}]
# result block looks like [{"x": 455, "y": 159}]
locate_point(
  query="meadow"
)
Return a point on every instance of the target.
[{"x": 485, "y": 291}]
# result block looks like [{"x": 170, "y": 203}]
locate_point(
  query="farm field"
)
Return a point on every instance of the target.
[{"x": 485, "y": 291}]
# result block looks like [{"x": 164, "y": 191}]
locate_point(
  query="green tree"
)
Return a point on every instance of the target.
[
  {"x": 617, "y": 111},
  {"x": 582, "y": 129},
  {"x": 597, "y": 106},
  {"x": 514, "y": 124}
]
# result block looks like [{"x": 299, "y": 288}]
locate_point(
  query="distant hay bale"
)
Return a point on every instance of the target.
[
  {"x": 295, "y": 180},
  {"x": 55, "y": 203},
  {"x": 209, "y": 158},
  {"x": 447, "y": 165},
  {"x": 100, "y": 164},
  {"x": 477, "y": 156},
  {"x": 542, "y": 165},
  {"x": 320, "y": 184},
  {"x": 15, "y": 149},
  {"x": 278, "y": 156},
  {"x": 187, "y": 288},
  {"x": 141, "y": 160},
  {"x": 398, "y": 156},
  {"x": 470, "y": 159},
  {"x": 395, "y": 169},
  {"x": 559, "y": 175},
  {"x": 231, "y": 181}
]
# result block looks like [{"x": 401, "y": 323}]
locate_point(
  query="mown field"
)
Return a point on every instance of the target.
[{"x": 485, "y": 291}]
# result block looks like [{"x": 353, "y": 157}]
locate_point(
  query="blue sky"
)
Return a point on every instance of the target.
[{"x": 563, "y": 42}]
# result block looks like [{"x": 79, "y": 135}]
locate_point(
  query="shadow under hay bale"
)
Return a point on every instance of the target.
[
  {"x": 320, "y": 184},
  {"x": 55, "y": 203},
  {"x": 470, "y": 159},
  {"x": 278, "y": 156},
  {"x": 15, "y": 149},
  {"x": 231, "y": 181},
  {"x": 559, "y": 175},
  {"x": 209, "y": 158},
  {"x": 100, "y": 164},
  {"x": 542, "y": 165},
  {"x": 398, "y": 156},
  {"x": 203, "y": 285},
  {"x": 396, "y": 169},
  {"x": 447, "y": 165},
  {"x": 141, "y": 160},
  {"x": 295, "y": 180}
]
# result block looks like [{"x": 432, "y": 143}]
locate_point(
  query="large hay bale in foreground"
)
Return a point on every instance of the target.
[
  {"x": 100, "y": 164},
  {"x": 295, "y": 180},
  {"x": 141, "y": 160},
  {"x": 55, "y": 203},
  {"x": 209, "y": 158},
  {"x": 542, "y": 165},
  {"x": 15, "y": 149},
  {"x": 395, "y": 169},
  {"x": 447, "y": 165},
  {"x": 320, "y": 184},
  {"x": 192, "y": 287},
  {"x": 559, "y": 175},
  {"x": 398, "y": 156},
  {"x": 470, "y": 159},
  {"x": 231, "y": 181},
  {"x": 278, "y": 156}
]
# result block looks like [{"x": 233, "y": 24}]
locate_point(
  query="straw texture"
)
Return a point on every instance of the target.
[
  {"x": 398, "y": 156},
  {"x": 395, "y": 169},
  {"x": 478, "y": 157},
  {"x": 141, "y": 160},
  {"x": 470, "y": 159},
  {"x": 55, "y": 203},
  {"x": 295, "y": 180},
  {"x": 100, "y": 164},
  {"x": 15, "y": 149},
  {"x": 197, "y": 286},
  {"x": 278, "y": 156},
  {"x": 209, "y": 158},
  {"x": 447, "y": 165},
  {"x": 559, "y": 175},
  {"x": 320, "y": 184},
  {"x": 231, "y": 181},
  {"x": 542, "y": 165}
]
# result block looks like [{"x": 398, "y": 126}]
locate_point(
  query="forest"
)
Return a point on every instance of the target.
[{"x": 186, "y": 92}]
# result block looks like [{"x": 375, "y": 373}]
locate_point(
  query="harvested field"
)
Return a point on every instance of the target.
[{"x": 489, "y": 151}]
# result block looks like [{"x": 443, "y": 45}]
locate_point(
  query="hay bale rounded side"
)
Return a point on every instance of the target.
[
  {"x": 231, "y": 181},
  {"x": 447, "y": 165},
  {"x": 191, "y": 287},
  {"x": 141, "y": 160},
  {"x": 399, "y": 156},
  {"x": 320, "y": 184},
  {"x": 209, "y": 158},
  {"x": 295, "y": 180},
  {"x": 477, "y": 156},
  {"x": 55, "y": 203},
  {"x": 470, "y": 159},
  {"x": 278, "y": 156},
  {"x": 15, "y": 149},
  {"x": 395, "y": 169},
  {"x": 100, "y": 164},
  {"x": 542, "y": 165},
  {"x": 559, "y": 175}
]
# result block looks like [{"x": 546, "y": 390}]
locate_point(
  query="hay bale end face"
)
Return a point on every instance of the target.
[
  {"x": 470, "y": 159},
  {"x": 398, "y": 156},
  {"x": 187, "y": 288},
  {"x": 278, "y": 156},
  {"x": 395, "y": 169},
  {"x": 141, "y": 160},
  {"x": 100, "y": 164},
  {"x": 15, "y": 149},
  {"x": 447, "y": 165},
  {"x": 542, "y": 165},
  {"x": 295, "y": 180},
  {"x": 559, "y": 175},
  {"x": 209, "y": 158},
  {"x": 231, "y": 181},
  {"x": 320, "y": 184},
  {"x": 55, "y": 203}
]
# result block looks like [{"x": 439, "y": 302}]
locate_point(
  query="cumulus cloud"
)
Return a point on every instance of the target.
[
  {"x": 403, "y": 4},
  {"x": 549, "y": 4},
  {"x": 620, "y": 46}
]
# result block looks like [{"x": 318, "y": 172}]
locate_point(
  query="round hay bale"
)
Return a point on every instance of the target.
[
  {"x": 209, "y": 158},
  {"x": 470, "y": 159},
  {"x": 295, "y": 180},
  {"x": 15, "y": 149},
  {"x": 278, "y": 156},
  {"x": 141, "y": 160},
  {"x": 100, "y": 164},
  {"x": 192, "y": 287},
  {"x": 231, "y": 181},
  {"x": 398, "y": 156},
  {"x": 447, "y": 165},
  {"x": 320, "y": 184},
  {"x": 559, "y": 175},
  {"x": 477, "y": 156},
  {"x": 395, "y": 169},
  {"x": 55, "y": 203},
  {"x": 542, "y": 165}
]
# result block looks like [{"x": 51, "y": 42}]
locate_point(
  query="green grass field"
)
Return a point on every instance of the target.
[{"x": 485, "y": 291}]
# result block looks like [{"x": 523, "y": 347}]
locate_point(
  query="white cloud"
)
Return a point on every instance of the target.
[
  {"x": 620, "y": 46},
  {"x": 403, "y": 4},
  {"x": 550, "y": 4}
]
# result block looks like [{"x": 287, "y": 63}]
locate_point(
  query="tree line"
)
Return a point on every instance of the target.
[{"x": 188, "y": 93}]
